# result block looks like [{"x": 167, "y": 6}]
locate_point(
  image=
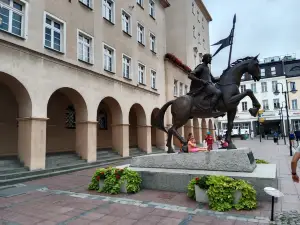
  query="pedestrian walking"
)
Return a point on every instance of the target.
[
  {"x": 252, "y": 134},
  {"x": 294, "y": 163},
  {"x": 292, "y": 138},
  {"x": 275, "y": 137}
]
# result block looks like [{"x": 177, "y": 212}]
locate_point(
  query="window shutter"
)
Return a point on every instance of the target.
[{"x": 92, "y": 51}]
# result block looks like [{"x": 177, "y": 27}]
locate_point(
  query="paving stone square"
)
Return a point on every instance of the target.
[{"x": 66, "y": 200}]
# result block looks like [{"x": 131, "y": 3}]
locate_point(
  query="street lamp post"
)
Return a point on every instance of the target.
[
  {"x": 282, "y": 125},
  {"x": 276, "y": 92}
]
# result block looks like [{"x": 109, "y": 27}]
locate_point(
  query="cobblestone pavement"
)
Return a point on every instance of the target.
[{"x": 65, "y": 200}]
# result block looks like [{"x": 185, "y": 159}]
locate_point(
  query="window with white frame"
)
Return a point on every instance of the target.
[
  {"x": 12, "y": 15},
  {"x": 54, "y": 33},
  {"x": 262, "y": 72},
  {"x": 293, "y": 86},
  {"x": 264, "y": 87},
  {"x": 198, "y": 16},
  {"x": 126, "y": 22},
  {"x": 141, "y": 71},
  {"x": 276, "y": 103},
  {"x": 152, "y": 42},
  {"x": 194, "y": 31},
  {"x": 85, "y": 50},
  {"x": 108, "y": 7},
  {"x": 141, "y": 34},
  {"x": 244, "y": 106},
  {"x": 88, "y": 3},
  {"x": 126, "y": 66},
  {"x": 294, "y": 104},
  {"x": 274, "y": 85},
  {"x": 175, "y": 91},
  {"x": 152, "y": 8},
  {"x": 273, "y": 70},
  {"x": 153, "y": 79},
  {"x": 185, "y": 89},
  {"x": 265, "y": 104},
  {"x": 243, "y": 88},
  {"x": 193, "y": 8},
  {"x": 140, "y": 2},
  {"x": 253, "y": 87},
  {"x": 109, "y": 54},
  {"x": 296, "y": 124},
  {"x": 180, "y": 89}
]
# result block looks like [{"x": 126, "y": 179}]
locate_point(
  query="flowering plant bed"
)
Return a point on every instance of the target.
[
  {"x": 223, "y": 192},
  {"x": 116, "y": 180}
]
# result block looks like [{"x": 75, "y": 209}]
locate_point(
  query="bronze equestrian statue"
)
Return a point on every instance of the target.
[{"x": 205, "y": 101}]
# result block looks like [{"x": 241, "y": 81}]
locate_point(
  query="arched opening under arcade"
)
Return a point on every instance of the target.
[
  {"x": 16, "y": 103},
  {"x": 203, "y": 129},
  {"x": 109, "y": 119},
  {"x": 66, "y": 111},
  {"x": 157, "y": 136},
  {"x": 16, "y": 108},
  {"x": 138, "y": 128}
]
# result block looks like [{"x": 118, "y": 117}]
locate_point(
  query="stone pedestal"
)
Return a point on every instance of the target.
[
  {"x": 86, "y": 140},
  {"x": 120, "y": 138},
  {"x": 32, "y": 142},
  {"x": 237, "y": 160}
]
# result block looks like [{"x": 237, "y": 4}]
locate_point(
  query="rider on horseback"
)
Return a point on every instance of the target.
[{"x": 203, "y": 81}]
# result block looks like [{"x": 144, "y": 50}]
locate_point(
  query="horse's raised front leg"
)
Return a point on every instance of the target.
[
  {"x": 230, "y": 118},
  {"x": 237, "y": 98}
]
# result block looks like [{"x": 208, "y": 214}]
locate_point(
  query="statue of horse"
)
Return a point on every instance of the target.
[{"x": 187, "y": 107}]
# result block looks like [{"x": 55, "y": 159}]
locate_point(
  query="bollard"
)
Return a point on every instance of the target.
[{"x": 275, "y": 194}]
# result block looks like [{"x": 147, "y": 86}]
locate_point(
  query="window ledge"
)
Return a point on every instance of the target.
[
  {"x": 111, "y": 72},
  {"x": 155, "y": 89},
  {"x": 52, "y": 49},
  {"x": 88, "y": 63},
  {"x": 141, "y": 44},
  {"x": 140, "y": 6},
  {"x": 142, "y": 84},
  {"x": 86, "y": 6},
  {"x": 152, "y": 17},
  {"x": 153, "y": 52},
  {"x": 111, "y": 22},
  {"x": 13, "y": 35},
  {"x": 127, "y": 78},
  {"x": 126, "y": 33}
]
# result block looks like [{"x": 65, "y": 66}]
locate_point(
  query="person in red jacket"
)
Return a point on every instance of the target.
[{"x": 209, "y": 140}]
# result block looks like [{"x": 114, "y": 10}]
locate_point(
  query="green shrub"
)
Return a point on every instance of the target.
[
  {"x": 221, "y": 190},
  {"x": 113, "y": 178},
  {"x": 261, "y": 161}
]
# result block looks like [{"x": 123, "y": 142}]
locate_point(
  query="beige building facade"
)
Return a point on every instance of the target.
[{"x": 79, "y": 75}]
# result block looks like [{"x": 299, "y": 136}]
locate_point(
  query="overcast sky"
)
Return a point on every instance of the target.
[{"x": 268, "y": 27}]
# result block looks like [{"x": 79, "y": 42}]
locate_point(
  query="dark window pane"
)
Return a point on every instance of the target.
[
  {"x": 4, "y": 14},
  {"x": 18, "y": 6},
  {"x": 48, "y": 21},
  {"x": 57, "y": 25}
]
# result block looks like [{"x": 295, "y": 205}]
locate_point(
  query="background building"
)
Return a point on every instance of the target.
[
  {"x": 81, "y": 76},
  {"x": 281, "y": 72}
]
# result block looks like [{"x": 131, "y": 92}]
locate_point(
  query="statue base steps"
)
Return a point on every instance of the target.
[{"x": 176, "y": 180}]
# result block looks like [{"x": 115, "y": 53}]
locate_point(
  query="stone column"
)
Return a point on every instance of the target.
[
  {"x": 197, "y": 134},
  {"x": 187, "y": 129},
  {"x": 120, "y": 138},
  {"x": 161, "y": 138},
  {"x": 144, "y": 138},
  {"x": 32, "y": 142},
  {"x": 86, "y": 140}
]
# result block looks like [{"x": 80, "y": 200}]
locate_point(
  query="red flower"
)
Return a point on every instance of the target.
[
  {"x": 118, "y": 177},
  {"x": 102, "y": 173},
  {"x": 197, "y": 178},
  {"x": 98, "y": 178}
]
